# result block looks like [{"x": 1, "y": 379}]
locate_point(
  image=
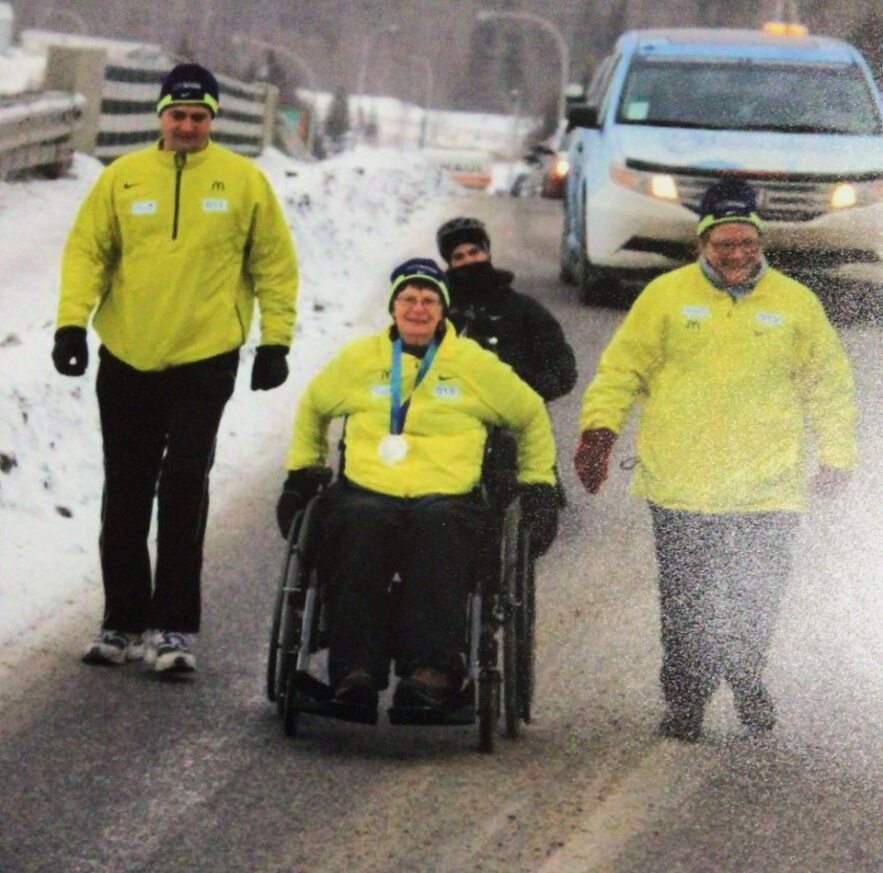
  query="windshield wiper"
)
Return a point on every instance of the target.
[
  {"x": 737, "y": 126},
  {"x": 795, "y": 128},
  {"x": 670, "y": 122}
]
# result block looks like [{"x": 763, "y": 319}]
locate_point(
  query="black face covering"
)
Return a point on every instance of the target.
[{"x": 473, "y": 279}]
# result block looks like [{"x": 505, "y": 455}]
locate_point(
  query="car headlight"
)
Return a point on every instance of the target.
[
  {"x": 662, "y": 186},
  {"x": 846, "y": 194},
  {"x": 560, "y": 167}
]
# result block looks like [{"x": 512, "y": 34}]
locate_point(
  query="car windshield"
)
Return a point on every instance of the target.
[{"x": 749, "y": 95}]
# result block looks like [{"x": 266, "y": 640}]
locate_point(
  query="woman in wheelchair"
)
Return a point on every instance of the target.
[{"x": 418, "y": 402}]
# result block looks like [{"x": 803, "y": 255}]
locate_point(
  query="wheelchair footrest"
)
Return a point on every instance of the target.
[
  {"x": 336, "y": 709},
  {"x": 432, "y": 715},
  {"x": 461, "y": 711},
  {"x": 317, "y": 698}
]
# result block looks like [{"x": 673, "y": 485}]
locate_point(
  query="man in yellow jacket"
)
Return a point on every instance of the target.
[
  {"x": 170, "y": 250},
  {"x": 418, "y": 401},
  {"x": 731, "y": 362}
]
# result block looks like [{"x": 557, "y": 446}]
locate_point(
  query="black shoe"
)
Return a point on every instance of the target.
[
  {"x": 426, "y": 686},
  {"x": 755, "y": 708},
  {"x": 684, "y": 724},
  {"x": 357, "y": 688}
]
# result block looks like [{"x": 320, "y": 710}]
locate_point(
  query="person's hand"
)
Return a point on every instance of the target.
[
  {"x": 539, "y": 508},
  {"x": 70, "y": 354},
  {"x": 831, "y": 481},
  {"x": 301, "y": 486},
  {"x": 270, "y": 369},
  {"x": 592, "y": 457}
]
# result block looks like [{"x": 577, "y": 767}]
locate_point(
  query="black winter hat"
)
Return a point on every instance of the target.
[
  {"x": 726, "y": 201},
  {"x": 458, "y": 231},
  {"x": 189, "y": 83}
]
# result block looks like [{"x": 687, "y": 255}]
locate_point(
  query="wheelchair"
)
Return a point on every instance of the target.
[{"x": 498, "y": 649}]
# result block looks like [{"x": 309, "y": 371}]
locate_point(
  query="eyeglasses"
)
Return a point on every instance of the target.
[
  {"x": 409, "y": 301},
  {"x": 726, "y": 247}
]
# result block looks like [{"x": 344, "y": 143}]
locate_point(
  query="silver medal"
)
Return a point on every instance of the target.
[{"x": 393, "y": 448}]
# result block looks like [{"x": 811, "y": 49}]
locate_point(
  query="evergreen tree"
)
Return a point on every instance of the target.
[
  {"x": 867, "y": 37},
  {"x": 477, "y": 85},
  {"x": 337, "y": 122}
]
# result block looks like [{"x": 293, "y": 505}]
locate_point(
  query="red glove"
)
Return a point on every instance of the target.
[{"x": 592, "y": 457}]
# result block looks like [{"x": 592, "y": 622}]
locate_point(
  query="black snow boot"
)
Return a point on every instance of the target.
[
  {"x": 682, "y": 723},
  {"x": 755, "y": 707}
]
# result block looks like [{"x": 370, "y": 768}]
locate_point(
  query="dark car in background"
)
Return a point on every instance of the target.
[
  {"x": 556, "y": 169},
  {"x": 543, "y": 170}
]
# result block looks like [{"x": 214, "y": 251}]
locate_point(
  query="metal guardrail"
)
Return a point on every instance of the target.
[{"x": 36, "y": 130}]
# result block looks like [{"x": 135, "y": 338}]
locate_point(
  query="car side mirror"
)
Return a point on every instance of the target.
[{"x": 584, "y": 115}]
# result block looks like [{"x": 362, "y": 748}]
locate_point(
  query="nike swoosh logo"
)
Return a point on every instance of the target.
[
  {"x": 128, "y": 185},
  {"x": 444, "y": 378}
]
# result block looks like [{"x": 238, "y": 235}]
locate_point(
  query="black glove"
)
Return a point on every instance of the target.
[
  {"x": 300, "y": 488},
  {"x": 70, "y": 354},
  {"x": 270, "y": 368},
  {"x": 539, "y": 509}
]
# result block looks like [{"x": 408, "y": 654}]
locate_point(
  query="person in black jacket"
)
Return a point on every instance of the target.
[
  {"x": 484, "y": 306},
  {"x": 518, "y": 328}
]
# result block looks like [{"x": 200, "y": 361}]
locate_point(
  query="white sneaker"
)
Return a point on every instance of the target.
[
  {"x": 169, "y": 652},
  {"x": 112, "y": 647}
]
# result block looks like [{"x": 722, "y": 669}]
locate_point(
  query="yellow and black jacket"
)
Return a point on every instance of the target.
[
  {"x": 174, "y": 252},
  {"x": 466, "y": 390},
  {"x": 727, "y": 389}
]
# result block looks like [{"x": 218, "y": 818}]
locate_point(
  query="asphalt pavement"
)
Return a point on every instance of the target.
[{"x": 116, "y": 770}]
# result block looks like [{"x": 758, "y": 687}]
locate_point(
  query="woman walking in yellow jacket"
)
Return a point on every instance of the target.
[{"x": 731, "y": 362}]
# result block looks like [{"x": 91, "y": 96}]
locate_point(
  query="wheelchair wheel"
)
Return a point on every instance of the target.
[
  {"x": 510, "y": 611},
  {"x": 285, "y": 629},
  {"x": 488, "y": 709},
  {"x": 525, "y": 623},
  {"x": 290, "y": 713}
]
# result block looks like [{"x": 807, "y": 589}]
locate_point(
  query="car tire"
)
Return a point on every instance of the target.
[
  {"x": 592, "y": 286},
  {"x": 565, "y": 269}
]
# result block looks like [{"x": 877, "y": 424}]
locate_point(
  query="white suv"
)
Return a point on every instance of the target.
[{"x": 671, "y": 111}]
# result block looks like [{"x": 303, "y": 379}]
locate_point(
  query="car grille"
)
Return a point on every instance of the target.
[
  {"x": 779, "y": 200},
  {"x": 784, "y": 258}
]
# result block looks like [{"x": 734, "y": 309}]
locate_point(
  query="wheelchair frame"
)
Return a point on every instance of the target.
[{"x": 500, "y": 615}]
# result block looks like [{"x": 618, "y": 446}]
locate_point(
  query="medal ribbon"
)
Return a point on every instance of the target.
[{"x": 398, "y": 410}]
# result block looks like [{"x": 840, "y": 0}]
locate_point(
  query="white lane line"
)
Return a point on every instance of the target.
[{"x": 667, "y": 776}]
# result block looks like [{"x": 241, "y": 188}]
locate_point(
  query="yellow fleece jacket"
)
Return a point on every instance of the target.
[
  {"x": 171, "y": 256},
  {"x": 466, "y": 390},
  {"x": 730, "y": 391}
]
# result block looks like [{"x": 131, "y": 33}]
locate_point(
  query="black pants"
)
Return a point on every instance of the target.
[
  {"x": 159, "y": 431},
  {"x": 435, "y": 544},
  {"x": 721, "y": 582}
]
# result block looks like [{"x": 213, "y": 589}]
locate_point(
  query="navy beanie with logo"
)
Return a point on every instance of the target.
[
  {"x": 421, "y": 269},
  {"x": 189, "y": 83},
  {"x": 727, "y": 201}
]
